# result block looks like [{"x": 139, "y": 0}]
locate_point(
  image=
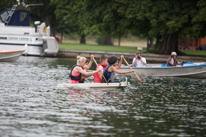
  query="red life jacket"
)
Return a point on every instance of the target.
[{"x": 96, "y": 76}]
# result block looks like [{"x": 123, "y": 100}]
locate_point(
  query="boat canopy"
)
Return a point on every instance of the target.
[{"x": 15, "y": 18}]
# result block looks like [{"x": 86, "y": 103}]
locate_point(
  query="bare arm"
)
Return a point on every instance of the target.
[
  {"x": 121, "y": 72},
  {"x": 120, "y": 63},
  {"x": 90, "y": 63},
  {"x": 179, "y": 63},
  {"x": 143, "y": 62},
  {"x": 79, "y": 69},
  {"x": 86, "y": 71},
  {"x": 100, "y": 74},
  {"x": 133, "y": 63},
  {"x": 172, "y": 61}
]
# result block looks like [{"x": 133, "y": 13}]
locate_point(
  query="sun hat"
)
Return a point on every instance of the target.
[
  {"x": 112, "y": 59},
  {"x": 174, "y": 53}
]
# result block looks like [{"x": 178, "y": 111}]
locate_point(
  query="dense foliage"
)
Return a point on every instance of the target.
[{"x": 165, "y": 20}]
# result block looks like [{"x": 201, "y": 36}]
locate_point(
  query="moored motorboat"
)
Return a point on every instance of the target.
[
  {"x": 17, "y": 34},
  {"x": 10, "y": 55},
  {"x": 99, "y": 86},
  {"x": 190, "y": 70}
]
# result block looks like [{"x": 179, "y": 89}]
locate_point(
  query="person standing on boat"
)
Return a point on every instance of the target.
[
  {"x": 139, "y": 61},
  {"x": 78, "y": 70},
  {"x": 172, "y": 60},
  {"x": 102, "y": 66},
  {"x": 112, "y": 68}
]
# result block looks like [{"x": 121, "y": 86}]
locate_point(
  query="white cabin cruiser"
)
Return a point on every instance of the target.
[{"x": 16, "y": 34}]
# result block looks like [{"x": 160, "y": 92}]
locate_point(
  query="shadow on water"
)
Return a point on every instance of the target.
[{"x": 32, "y": 105}]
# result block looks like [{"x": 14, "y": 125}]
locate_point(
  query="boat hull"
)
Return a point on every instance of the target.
[
  {"x": 30, "y": 49},
  {"x": 10, "y": 56},
  {"x": 190, "y": 71},
  {"x": 98, "y": 86}
]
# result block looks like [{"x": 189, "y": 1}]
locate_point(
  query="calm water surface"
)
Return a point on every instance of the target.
[{"x": 31, "y": 105}]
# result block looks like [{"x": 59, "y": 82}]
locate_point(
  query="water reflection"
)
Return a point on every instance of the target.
[
  {"x": 32, "y": 105},
  {"x": 102, "y": 107}
]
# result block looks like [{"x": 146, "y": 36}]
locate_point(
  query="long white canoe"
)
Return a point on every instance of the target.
[
  {"x": 190, "y": 70},
  {"x": 99, "y": 86}
]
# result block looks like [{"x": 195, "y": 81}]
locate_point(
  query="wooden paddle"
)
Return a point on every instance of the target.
[
  {"x": 101, "y": 71},
  {"x": 133, "y": 72}
]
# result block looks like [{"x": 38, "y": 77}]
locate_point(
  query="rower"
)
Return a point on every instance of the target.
[
  {"x": 172, "y": 60},
  {"x": 102, "y": 66},
  {"x": 84, "y": 76},
  {"x": 78, "y": 70},
  {"x": 112, "y": 68}
]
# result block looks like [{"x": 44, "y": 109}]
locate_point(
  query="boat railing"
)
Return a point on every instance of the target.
[{"x": 8, "y": 18}]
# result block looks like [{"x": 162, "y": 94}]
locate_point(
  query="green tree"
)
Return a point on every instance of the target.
[
  {"x": 199, "y": 21},
  {"x": 7, "y": 4},
  {"x": 66, "y": 28},
  {"x": 166, "y": 20},
  {"x": 106, "y": 12},
  {"x": 75, "y": 11},
  {"x": 44, "y": 13},
  {"x": 163, "y": 19},
  {"x": 70, "y": 12}
]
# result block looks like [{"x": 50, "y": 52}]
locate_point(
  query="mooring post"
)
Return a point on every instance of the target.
[{"x": 148, "y": 45}]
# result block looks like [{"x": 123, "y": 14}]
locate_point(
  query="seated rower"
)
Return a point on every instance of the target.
[
  {"x": 78, "y": 70},
  {"x": 172, "y": 60},
  {"x": 102, "y": 66},
  {"x": 112, "y": 68},
  {"x": 84, "y": 76}
]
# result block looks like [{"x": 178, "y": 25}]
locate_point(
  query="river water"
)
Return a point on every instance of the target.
[{"x": 31, "y": 105}]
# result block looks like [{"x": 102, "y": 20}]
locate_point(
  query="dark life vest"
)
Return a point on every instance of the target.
[
  {"x": 78, "y": 78},
  {"x": 107, "y": 74}
]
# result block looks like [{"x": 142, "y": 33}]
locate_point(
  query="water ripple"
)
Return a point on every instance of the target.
[{"x": 32, "y": 105}]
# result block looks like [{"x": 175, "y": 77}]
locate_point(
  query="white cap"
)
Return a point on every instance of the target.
[{"x": 174, "y": 53}]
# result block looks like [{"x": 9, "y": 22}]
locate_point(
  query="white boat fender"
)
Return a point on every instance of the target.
[
  {"x": 25, "y": 49},
  {"x": 44, "y": 28},
  {"x": 126, "y": 80}
]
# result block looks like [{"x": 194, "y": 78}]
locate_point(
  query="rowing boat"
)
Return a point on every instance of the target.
[
  {"x": 98, "y": 86},
  {"x": 10, "y": 55},
  {"x": 190, "y": 70}
]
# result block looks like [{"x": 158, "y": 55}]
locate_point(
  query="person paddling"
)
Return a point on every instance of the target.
[
  {"x": 112, "y": 68},
  {"x": 78, "y": 70},
  {"x": 84, "y": 76},
  {"x": 102, "y": 66}
]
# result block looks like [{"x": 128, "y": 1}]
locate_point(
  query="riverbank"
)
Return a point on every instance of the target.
[{"x": 151, "y": 58}]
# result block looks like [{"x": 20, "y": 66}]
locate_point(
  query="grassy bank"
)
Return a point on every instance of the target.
[
  {"x": 97, "y": 47},
  {"x": 195, "y": 53},
  {"x": 123, "y": 49},
  {"x": 127, "y": 41}
]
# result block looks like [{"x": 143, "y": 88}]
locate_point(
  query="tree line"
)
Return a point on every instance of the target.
[{"x": 164, "y": 20}]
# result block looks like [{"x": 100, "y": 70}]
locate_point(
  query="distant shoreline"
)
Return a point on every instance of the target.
[{"x": 151, "y": 58}]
